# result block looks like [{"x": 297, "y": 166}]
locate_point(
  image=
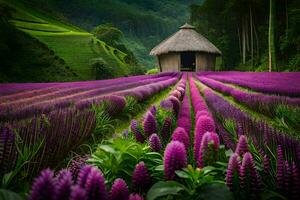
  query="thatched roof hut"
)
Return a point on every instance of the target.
[{"x": 186, "y": 50}]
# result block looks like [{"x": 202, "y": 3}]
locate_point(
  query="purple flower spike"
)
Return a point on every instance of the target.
[
  {"x": 249, "y": 175},
  {"x": 180, "y": 135},
  {"x": 149, "y": 124},
  {"x": 77, "y": 164},
  {"x": 295, "y": 182},
  {"x": 95, "y": 185},
  {"x": 280, "y": 169},
  {"x": 64, "y": 183},
  {"x": 208, "y": 152},
  {"x": 204, "y": 124},
  {"x": 242, "y": 146},
  {"x": 83, "y": 174},
  {"x": 165, "y": 132},
  {"x": 44, "y": 186},
  {"x": 119, "y": 190},
  {"x": 137, "y": 133},
  {"x": 175, "y": 158},
  {"x": 155, "y": 143},
  {"x": 141, "y": 179},
  {"x": 166, "y": 104},
  {"x": 78, "y": 193},
  {"x": 176, "y": 104},
  {"x": 135, "y": 197},
  {"x": 153, "y": 110},
  {"x": 266, "y": 164},
  {"x": 287, "y": 178},
  {"x": 233, "y": 171},
  {"x": 115, "y": 104}
]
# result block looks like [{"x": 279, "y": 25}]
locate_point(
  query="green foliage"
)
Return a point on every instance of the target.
[
  {"x": 288, "y": 117},
  {"x": 230, "y": 126},
  {"x": 108, "y": 34},
  {"x": 192, "y": 184},
  {"x": 152, "y": 71},
  {"x": 9, "y": 195},
  {"x": 26, "y": 153},
  {"x": 104, "y": 123},
  {"x": 102, "y": 70},
  {"x": 118, "y": 157}
]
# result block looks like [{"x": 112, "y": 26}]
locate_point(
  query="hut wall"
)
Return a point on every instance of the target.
[
  {"x": 205, "y": 62},
  {"x": 169, "y": 62}
]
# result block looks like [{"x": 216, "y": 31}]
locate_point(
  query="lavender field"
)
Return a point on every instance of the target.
[{"x": 205, "y": 135}]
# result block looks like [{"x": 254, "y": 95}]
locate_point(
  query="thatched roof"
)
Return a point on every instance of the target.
[{"x": 186, "y": 39}]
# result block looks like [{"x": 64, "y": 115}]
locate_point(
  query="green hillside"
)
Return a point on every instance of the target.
[
  {"x": 143, "y": 22},
  {"x": 76, "y": 47}
]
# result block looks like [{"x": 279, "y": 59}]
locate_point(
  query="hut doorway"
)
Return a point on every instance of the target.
[{"x": 188, "y": 61}]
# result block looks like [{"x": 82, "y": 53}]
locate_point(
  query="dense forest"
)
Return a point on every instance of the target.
[{"x": 246, "y": 30}]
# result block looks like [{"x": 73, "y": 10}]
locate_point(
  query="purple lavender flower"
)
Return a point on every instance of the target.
[
  {"x": 155, "y": 143},
  {"x": 242, "y": 146},
  {"x": 141, "y": 179},
  {"x": 63, "y": 186},
  {"x": 180, "y": 135},
  {"x": 280, "y": 169},
  {"x": 233, "y": 171},
  {"x": 287, "y": 178},
  {"x": 176, "y": 104},
  {"x": 83, "y": 174},
  {"x": 295, "y": 182},
  {"x": 78, "y": 193},
  {"x": 135, "y": 197},
  {"x": 249, "y": 175},
  {"x": 119, "y": 190},
  {"x": 175, "y": 158},
  {"x": 149, "y": 124},
  {"x": 95, "y": 185},
  {"x": 77, "y": 164},
  {"x": 166, "y": 104},
  {"x": 208, "y": 151},
  {"x": 266, "y": 164},
  {"x": 137, "y": 133},
  {"x": 166, "y": 128},
  {"x": 153, "y": 110},
  {"x": 44, "y": 186},
  {"x": 115, "y": 104},
  {"x": 204, "y": 124}
]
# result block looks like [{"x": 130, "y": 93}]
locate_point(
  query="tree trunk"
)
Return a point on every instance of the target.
[
  {"x": 251, "y": 37},
  {"x": 272, "y": 51},
  {"x": 244, "y": 42},
  {"x": 240, "y": 45}
]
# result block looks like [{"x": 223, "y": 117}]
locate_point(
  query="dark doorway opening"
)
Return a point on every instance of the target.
[{"x": 188, "y": 61}]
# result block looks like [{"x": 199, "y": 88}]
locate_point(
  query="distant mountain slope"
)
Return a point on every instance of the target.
[
  {"x": 144, "y": 22},
  {"x": 76, "y": 47}
]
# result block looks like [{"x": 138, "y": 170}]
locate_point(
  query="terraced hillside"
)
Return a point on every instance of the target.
[{"x": 76, "y": 47}]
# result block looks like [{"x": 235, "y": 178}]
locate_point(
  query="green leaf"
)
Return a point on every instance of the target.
[
  {"x": 164, "y": 188},
  {"x": 182, "y": 174},
  {"x": 215, "y": 191},
  {"x": 229, "y": 152},
  {"x": 159, "y": 168},
  {"x": 9, "y": 195},
  {"x": 107, "y": 148}
]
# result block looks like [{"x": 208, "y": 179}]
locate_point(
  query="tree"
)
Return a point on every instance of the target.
[
  {"x": 108, "y": 33},
  {"x": 272, "y": 48}
]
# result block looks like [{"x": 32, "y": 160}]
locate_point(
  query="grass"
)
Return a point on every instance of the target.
[
  {"x": 75, "y": 46},
  {"x": 145, "y": 106}
]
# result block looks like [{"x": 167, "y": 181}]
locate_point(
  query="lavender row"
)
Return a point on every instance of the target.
[
  {"x": 12, "y": 88},
  {"x": 281, "y": 83},
  {"x": 76, "y": 86},
  {"x": 74, "y": 93},
  {"x": 263, "y": 135},
  {"x": 39, "y": 108},
  {"x": 266, "y": 104}
]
